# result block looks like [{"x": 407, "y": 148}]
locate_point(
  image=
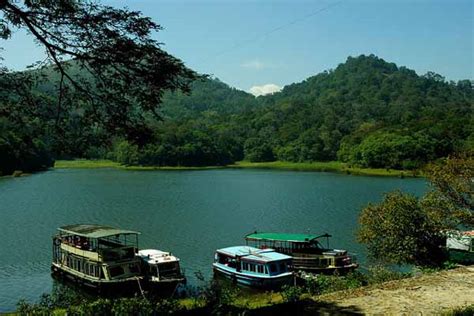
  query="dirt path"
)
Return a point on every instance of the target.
[{"x": 430, "y": 294}]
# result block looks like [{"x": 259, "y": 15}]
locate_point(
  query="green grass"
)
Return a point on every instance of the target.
[
  {"x": 330, "y": 166},
  {"x": 86, "y": 164},
  {"x": 92, "y": 164}
]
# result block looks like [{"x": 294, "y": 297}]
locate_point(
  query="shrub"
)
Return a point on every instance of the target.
[
  {"x": 379, "y": 274},
  {"x": 291, "y": 294}
]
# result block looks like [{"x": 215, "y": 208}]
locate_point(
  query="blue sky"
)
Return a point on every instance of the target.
[{"x": 255, "y": 43}]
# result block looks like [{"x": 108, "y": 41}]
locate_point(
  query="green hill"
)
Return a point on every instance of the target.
[{"x": 366, "y": 112}]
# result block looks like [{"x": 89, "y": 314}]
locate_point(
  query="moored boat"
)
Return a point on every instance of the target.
[
  {"x": 161, "y": 269},
  {"x": 460, "y": 246},
  {"x": 308, "y": 254},
  {"x": 253, "y": 267},
  {"x": 99, "y": 257}
]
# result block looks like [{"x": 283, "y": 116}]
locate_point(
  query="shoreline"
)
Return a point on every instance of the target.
[
  {"x": 443, "y": 292},
  {"x": 331, "y": 166}
]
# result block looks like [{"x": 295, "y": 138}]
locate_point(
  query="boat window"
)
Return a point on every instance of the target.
[
  {"x": 260, "y": 268},
  {"x": 273, "y": 268},
  {"x": 282, "y": 267},
  {"x": 245, "y": 266},
  {"x": 266, "y": 270},
  {"x": 115, "y": 271},
  {"x": 133, "y": 268},
  {"x": 223, "y": 259},
  {"x": 92, "y": 270}
]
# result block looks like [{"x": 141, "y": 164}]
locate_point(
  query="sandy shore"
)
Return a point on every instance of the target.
[{"x": 429, "y": 294}]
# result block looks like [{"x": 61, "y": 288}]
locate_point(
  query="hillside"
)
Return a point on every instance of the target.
[
  {"x": 363, "y": 107},
  {"x": 206, "y": 95},
  {"x": 366, "y": 112}
]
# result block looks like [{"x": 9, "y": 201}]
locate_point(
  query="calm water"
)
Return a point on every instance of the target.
[{"x": 190, "y": 213}]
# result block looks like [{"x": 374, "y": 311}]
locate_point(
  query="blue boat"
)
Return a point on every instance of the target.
[{"x": 262, "y": 268}]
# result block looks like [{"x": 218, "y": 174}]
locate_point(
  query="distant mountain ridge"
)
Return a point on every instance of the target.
[{"x": 366, "y": 112}]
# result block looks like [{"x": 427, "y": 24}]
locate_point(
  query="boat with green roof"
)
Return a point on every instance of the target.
[{"x": 308, "y": 253}]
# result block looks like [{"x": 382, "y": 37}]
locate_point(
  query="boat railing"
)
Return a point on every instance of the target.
[
  {"x": 352, "y": 256},
  {"x": 117, "y": 253},
  {"x": 87, "y": 253},
  {"x": 104, "y": 254}
]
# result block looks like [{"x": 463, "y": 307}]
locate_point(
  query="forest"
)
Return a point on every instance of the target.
[{"x": 366, "y": 112}]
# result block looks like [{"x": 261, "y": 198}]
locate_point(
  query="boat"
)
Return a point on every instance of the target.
[
  {"x": 260, "y": 268},
  {"x": 161, "y": 269},
  {"x": 99, "y": 257},
  {"x": 308, "y": 254},
  {"x": 460, "y": 246}
]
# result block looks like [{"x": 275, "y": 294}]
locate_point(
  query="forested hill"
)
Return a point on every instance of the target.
[
  {"x": 366, "y": 112},
  {"x": 206, "y": 95}
]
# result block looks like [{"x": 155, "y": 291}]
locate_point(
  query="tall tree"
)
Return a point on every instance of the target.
[{"x": 105, "y": 56}]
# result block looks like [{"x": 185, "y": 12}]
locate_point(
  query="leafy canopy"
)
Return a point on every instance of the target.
[
  {"x": 404, "y": 229},
  {"x": 120, "y": 71}
]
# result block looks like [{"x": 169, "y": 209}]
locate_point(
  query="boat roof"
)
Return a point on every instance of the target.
[
  {"x": 94, "y": 231},
  {"x": 302, "y": 238},
  {"x": 251, "y": 253},
  {"x": 155, "y": 256}
]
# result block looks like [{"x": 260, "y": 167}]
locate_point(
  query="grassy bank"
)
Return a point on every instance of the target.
[
  {"x": 92, "y": 164},
  {"x": 371, "y": 293},
  {"x": 331, "y": 166}
]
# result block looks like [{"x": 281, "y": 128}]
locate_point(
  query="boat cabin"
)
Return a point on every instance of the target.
[
  {"x": 460, "y": 246},
  {"x": 161, "y": 266},
  {"x": 252, "y": 266},
  {"x": 96, "y": 254},
  {"x": 307, "y": 251}
]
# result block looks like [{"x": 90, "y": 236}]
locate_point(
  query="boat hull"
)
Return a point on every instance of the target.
[
  {"x": 341, "y": 270},
  {"x": 255, "y": 281},
  {"x": 128, "y": 286}
]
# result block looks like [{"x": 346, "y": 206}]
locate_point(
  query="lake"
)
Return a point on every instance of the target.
[{"x": 190, "y": 213}]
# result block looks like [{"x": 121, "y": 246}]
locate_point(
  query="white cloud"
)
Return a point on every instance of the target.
[
  {"x": 264, "y": 89},
  {"x": 254, "y": 64}
]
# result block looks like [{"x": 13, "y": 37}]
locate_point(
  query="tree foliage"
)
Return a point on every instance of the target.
[
  {"x": 404, "y": 229},
  {"x": 398, "y": 230},
  {"x": 366, "y": 112},
  {"x": 105, "y": 57}
]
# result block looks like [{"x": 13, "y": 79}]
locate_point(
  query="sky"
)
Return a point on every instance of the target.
[{"x": 261, "y": 46}]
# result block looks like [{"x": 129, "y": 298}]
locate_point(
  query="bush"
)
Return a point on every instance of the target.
[
  {"x": 322, "y": 284},
  {"x": 167, "y": 307},
  {"x": 400, "y": 230},
  {"x": 291, "y": 294},
  {"x": 132, "y": 306},
  {"x": 379, "y": 274}
]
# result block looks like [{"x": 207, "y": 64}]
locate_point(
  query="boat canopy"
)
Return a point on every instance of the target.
[
  {"x": 294, "y": 238},
  {"x": 95, "y": 231},
  {"x": 251, "y": 253}
]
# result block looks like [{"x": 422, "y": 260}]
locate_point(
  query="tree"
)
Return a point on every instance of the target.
[
  {"x": 404, "y": 229},
  {"x": 105, "y": 56},
  {"x": 452, "y": 190},
  {"x": 398, "y": 230}
]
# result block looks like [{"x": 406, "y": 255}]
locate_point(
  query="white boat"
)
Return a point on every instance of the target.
[
  {"x": 460, "y": 246},
  {"x": 263, "y": 268},
  {"x": 161, "y": 269}
]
